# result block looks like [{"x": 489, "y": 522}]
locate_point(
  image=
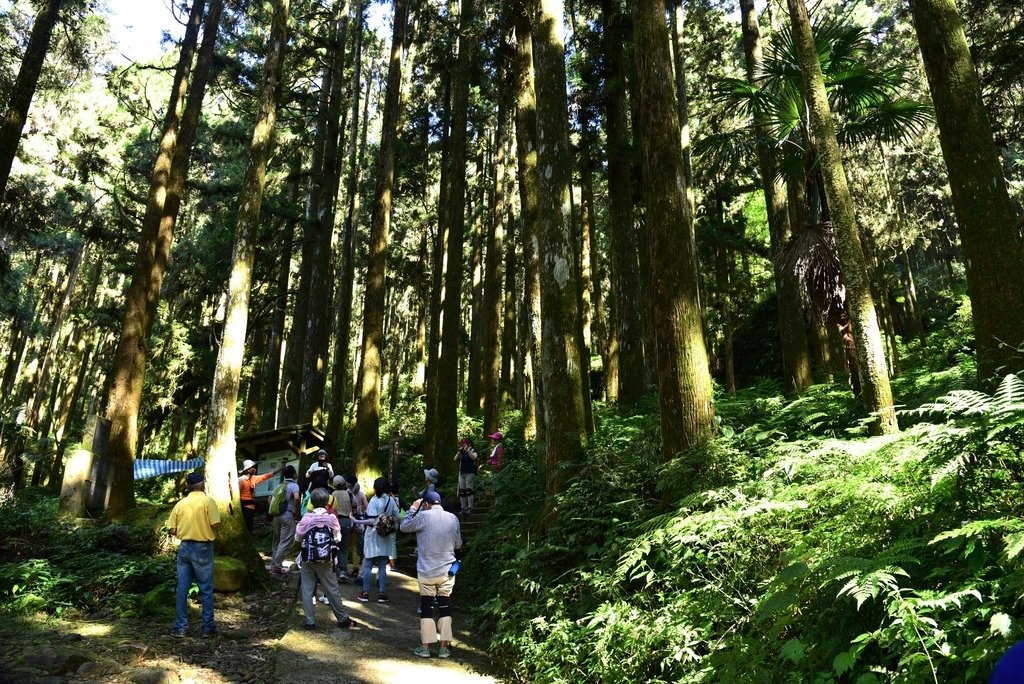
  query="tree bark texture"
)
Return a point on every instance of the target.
[
  {"x": 990, "y": 229},
  {"x": 221, "y": 465},
  {"x": 337, "y": 413},
  {"x": 627, "y": 375},
  {"x": 526, "y": 162},
  {"x": 796, "y": 355},
  {"x": 447, "y": 385},
  {"x": 684, "y": 381},
  {"x": 367, "y": 427},
  {"x": 872, "y": 366},
  {"x": 24, "y": 89},
  {"x": 166, "y": 187},
  {"x": 493, "y": 272},
  {"x": 561, "y": 356}
]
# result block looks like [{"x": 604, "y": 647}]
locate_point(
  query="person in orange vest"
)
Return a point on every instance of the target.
[{"x": 247, "y": 489}]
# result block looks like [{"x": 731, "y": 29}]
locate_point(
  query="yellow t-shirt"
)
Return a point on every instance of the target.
[{"x": 193, "y": 518}]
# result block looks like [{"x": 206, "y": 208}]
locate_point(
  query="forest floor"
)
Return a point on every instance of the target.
[{"x": 260, "y": 639}]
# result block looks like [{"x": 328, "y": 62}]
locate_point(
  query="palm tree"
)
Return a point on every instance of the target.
[{"x": 869, "y": 107}]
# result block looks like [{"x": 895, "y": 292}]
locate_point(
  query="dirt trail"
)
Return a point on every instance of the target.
[{"x": 380, "y": 649}]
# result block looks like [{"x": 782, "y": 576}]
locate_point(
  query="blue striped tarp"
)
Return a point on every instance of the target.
[{"x": 151, "y": 467}]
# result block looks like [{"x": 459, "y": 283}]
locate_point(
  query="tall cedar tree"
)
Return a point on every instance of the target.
[
  {"x": 490, "y": 379},
  {"x": 447, "y": 379},
  {"x": 322, "y": 203},
  {"x": 990, "y": 230},
  {"x": 871, "y": 363},
  {"x": 166, "y": 188},
  {"x": 526, "y": 165},
  {"x": 367, "y": 428},
  {"x": 629, "y": 374},
  {"x": 24, "y": 88},
  {"x": 796, "y": 355},
  {"x": 684, "y": 381},
  {"x": 561, "y": 360},
  {"x": 221, "y": 465}
]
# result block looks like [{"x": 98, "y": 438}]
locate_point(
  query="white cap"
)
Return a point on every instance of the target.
[{"x": 246, "y": 464}]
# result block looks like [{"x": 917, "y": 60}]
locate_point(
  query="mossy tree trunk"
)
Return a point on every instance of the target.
[
  {"x": 165, "y": 192},
  {"x": 526, "y": 159},
  {"x": 990, "y": 229},
  {"x": 871, "y": 363},
  {"x": 561, "y": 356},
  {"x": 221, "y": 463},
  {"x": 446, "y": 388},
  {"x": 367, "y": 427},
  {"x": 684, "y": 381},
  {"x": 13, "y": 122},
  {"x": 626, "y": 375},
  {"x": 796, "y": 353}
]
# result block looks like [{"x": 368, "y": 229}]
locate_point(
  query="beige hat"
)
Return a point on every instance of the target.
[{"x": 246, "y": 464}]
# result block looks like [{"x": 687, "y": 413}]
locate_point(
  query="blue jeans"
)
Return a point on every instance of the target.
[
  {"x": 382, "y": 573},
  {"x": 195, "y": 562}
]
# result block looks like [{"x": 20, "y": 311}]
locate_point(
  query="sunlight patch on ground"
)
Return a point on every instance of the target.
[{"x": 96, "y": 629}]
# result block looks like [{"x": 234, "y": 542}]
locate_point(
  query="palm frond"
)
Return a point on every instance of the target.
[
  {"x": 811, "y": 256},
  {"x": 893, "y": 122}
]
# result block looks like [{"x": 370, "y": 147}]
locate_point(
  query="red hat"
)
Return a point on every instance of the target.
[{"x": 497, "y": 436}]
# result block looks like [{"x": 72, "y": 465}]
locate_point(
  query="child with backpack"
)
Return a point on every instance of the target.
[{"x": 319, "y": 532}]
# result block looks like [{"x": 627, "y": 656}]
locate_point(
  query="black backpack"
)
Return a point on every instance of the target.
[{"x": 317, "y": 545}]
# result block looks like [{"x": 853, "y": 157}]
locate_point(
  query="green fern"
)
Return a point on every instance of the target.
[{"x": 1007, "y": 399}]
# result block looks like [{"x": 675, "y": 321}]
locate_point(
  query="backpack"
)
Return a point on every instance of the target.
[
  {"x": 317, "y": 545},
  {"x": 278, "y": 502},
  {"x": 386, "y": 523}
]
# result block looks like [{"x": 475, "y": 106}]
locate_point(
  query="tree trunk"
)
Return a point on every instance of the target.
[
  {"x": 337, "y": 413},
  {"x": 221, "y": 466},
  {"x": 166, "y": 188},
  {"x": 272, "y": 382},
  {"x": 684, "y": 381},
  {"x": 561, "y": 356},
  {"x": 322, "y": 203},
  {"x": 990, "y": 230},
  {"x": 367, "y": 427},
  {"x": 627, "y": 377},
  {"x": 510, "y": 369},
  {"x": 677, "y": 21},
  {"x": 447, "y": 385},
  {"x": 25, "y": 87},
  {"x": 796, "y": 355},
  {"x": 874, "y": 378},
  {"x": 494, "y": 276},
  {"x": 526, "y": 161}
]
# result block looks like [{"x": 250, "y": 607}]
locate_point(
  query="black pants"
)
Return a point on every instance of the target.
[{"x": 249, "y": 515}]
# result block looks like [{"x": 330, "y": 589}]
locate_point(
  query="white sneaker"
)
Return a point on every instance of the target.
[{"x": 325, "y": 600}]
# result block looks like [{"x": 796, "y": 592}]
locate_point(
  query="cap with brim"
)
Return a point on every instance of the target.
[
  {"x": 193, "y": 479},
  {"x": 246, "y": 464},
  {"x": 432, "y": 497},
  {"x": 497, "y": 435},
  {"x": 339, "y": 482},
  {"x": 430, "y": 474}
]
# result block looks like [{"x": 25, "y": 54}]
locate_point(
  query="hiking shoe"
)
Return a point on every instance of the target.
[
  {"x": 179, "y": 633},
  {"x": 277, "y": 570},
  {"x": 209, "y": 631},
  {"x": 346, "y": 624},
  {"x": 422, "y": 651},
  {"x": 383, "y": 598},
  {"x": 309, "y": 626},
  {"x": 444, "y": 653},
  {"x": 324, "y": 600},
  {"x": 363, "y": 596}
]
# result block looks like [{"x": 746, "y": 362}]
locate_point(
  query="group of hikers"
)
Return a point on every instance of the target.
[{"x": 326, "y": 521}]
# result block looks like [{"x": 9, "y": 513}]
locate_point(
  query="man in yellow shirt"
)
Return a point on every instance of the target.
[{"x": 194, "y": 520}]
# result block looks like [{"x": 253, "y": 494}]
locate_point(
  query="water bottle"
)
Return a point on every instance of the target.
[{"x": 455, "y": 567}]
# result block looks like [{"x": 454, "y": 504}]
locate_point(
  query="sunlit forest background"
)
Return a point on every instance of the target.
[{"x": 740, "y": 282}]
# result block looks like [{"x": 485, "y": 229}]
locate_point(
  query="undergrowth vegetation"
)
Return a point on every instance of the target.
[
  {"x": 67, "y": 568},
  {"x": 793, "y": 548}
]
